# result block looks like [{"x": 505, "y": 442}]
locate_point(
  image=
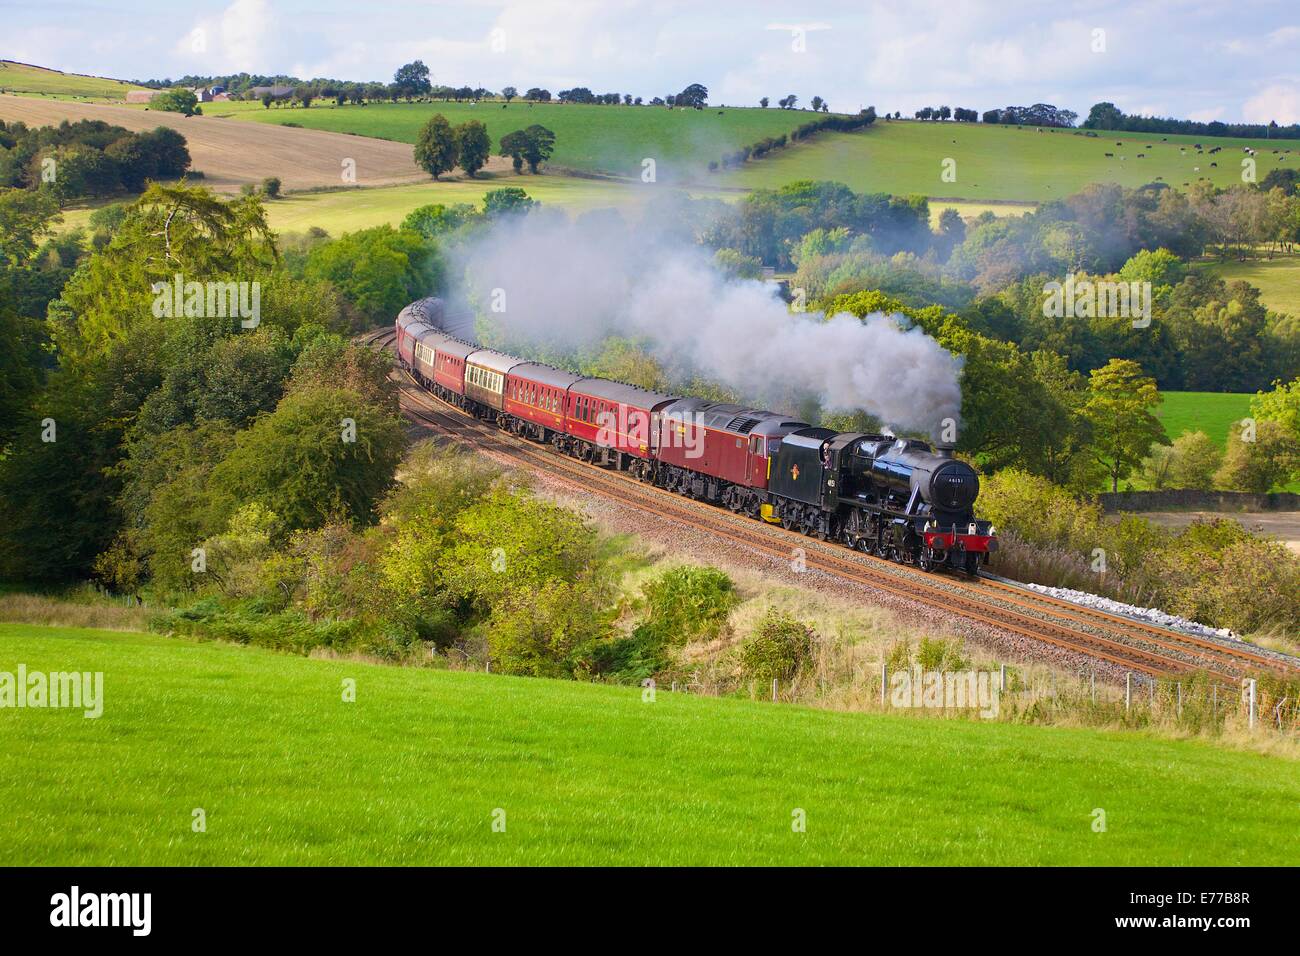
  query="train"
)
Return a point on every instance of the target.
[{"x": 901, "y": 499}]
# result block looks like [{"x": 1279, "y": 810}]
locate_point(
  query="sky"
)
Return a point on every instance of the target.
[{"x": 1205, "y": 60}]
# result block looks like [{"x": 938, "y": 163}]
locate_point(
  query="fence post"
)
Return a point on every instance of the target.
[
  {"x": 1092, "y": 684},
  {"x": 487, "y": 667},
  {"x": 1180, "y": 699},
  {"x": 884, "y": 679},
  {"x": 1251, "y": 704},
  {"x": 1214, "y": 712},
  {"x": 674, "y": 687},
  {"x": 1128, "y": 690},
  {"x": 774, "y": 690},
  {"x": 1002, "y": 686}
]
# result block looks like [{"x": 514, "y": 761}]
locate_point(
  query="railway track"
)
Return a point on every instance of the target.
[{"x": 1121, "y": 642}]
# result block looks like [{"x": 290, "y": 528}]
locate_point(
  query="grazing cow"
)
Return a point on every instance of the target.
[
  {"x": 1110, "y": 155},
  {"x": 1214, "y": 165},
  {"x": 1142, "y": 155}
]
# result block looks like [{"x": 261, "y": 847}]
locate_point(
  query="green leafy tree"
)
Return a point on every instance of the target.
[
  {"x": 176, "y": 101},
  {"x": 506, "y": 201},
  {"x": 437, "y": 219},
  {"x": 533, "y": 146},
  {"x": 378, "y": 270},
  {"x": 1196, "y": 459},
  {"x": 1281, "y": 405},
  {"x": 513, "y": 146},
  {"x": 412, "y": 79},
  {"x": 474, "y": 146},
  {"x": 1119, "y": 407},
  {"x": 436, "y": 147},
  {"x": 1258, "y": 459},
  {"x": 323, "y": 454}
]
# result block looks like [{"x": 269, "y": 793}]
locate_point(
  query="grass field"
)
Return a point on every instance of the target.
[
  {"x": 1000, "y": 162},
  {"x": 614, "y": 139},
  {"x": 1209, "y": 412},
  {"x": 1277, "y": 279},
  {"x": 414, "y": 770},
  {"x": 37, "y": 81}
]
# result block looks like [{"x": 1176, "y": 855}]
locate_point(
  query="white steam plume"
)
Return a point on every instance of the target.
[{"x": 567, "y": 285}]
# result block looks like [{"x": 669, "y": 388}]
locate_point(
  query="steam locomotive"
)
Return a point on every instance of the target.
[{"x": 897, "y": 498}]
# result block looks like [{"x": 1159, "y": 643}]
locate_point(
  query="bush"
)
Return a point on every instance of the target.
[
  {"x": 688, "y": 603},
  {"x": 271, "y": 186},
  {"x": 779, "y": 646}
]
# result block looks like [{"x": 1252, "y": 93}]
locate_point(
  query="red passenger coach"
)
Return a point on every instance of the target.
[
  {"x": 720, "y": 452},
  {"x": 613, "y": 423},
  {"x": 449, "y": 364},
  {"x": 536, "y": 395}
]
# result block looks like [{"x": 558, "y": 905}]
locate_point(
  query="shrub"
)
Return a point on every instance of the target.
[
  {"x": 688, "y": 603},
  {"x": 271, "y": 186},
  {"x": 779, "y": 646}
]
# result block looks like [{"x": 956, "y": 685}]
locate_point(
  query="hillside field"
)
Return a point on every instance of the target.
[
  {"x": 38, "y": 81},
  {"x": 1278, "y": 279},
  {"x": 1209, "y": 412},
  {"x": 609, "y": 139},
  {"x": 1003, "y": 162},
  {"x": 414, "y": 770}
]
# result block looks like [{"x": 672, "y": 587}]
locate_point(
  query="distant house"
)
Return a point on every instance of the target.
[{"x": 141, "y": 96}]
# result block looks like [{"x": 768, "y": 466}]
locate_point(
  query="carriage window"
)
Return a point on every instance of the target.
[{"x": 756, "y": 445}]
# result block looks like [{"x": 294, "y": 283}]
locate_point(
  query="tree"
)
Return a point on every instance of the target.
[
  {"x": 1118, "y": 408},
  {"x": 763, "y": 102},
  {"x": 538, "y": 95},
  {"x": 304, "y": 95},
  {"x": 378, "y": 270},
  {"x": 1281, "y": 405},
  {"x": 1257, "y": 461},
  {"x": 176, "y": 101},
  {"x": 323, "y": 454},
  {"x": 513, "y": 145},
  {"x": 437, "y": 147},
  {"x": 1196, "y": 458},
  {"x": 533, "y": 145},
  {"x": 271, "y": 186},
  {"x": 816, "y": 104},
  {"x": 696, "y": 95},
  {"x": 435, "y": 219},
  {"x": 413, "y": 79},
  {"x": 506, "y": 201},
  {"x": 509, "y": 93},
  {"x": 474, "y": 146},
  {"x": 1104, "y": 116}
]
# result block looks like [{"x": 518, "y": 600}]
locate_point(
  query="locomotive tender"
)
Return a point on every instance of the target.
[{"x": 896, "y": 498}]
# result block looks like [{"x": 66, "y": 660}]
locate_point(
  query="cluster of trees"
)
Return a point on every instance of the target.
[
  {"x": 440, "y": 148},
  {"x": 1040, "y": 114},
  {"x": 1215, "y": 572},
  {"x": 960, "y": 114},
  {"x": 88, "y": 158},
  {"x": 1204, "y": 333},
  {"x": 1108, "y": 116},
  {"x": 132, "y": 438}
]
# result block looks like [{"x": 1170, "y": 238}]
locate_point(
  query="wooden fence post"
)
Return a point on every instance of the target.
[
  {"x": 1250, "y": 722},
  {"x": 1128, "y": 691}
]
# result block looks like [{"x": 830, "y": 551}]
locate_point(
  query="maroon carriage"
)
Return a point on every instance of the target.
[
  {"x": 720, "y": 452},
  {"x": 613, "y": 423},
  {"x": 535, "y": 396}
]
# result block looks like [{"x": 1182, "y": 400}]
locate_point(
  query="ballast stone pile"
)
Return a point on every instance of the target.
[{"x": 1154, "y": 615}]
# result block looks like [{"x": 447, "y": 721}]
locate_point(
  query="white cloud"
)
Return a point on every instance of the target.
[
  {"x": 1279, "y": 102},
  {"x": 241, "y": 38}
]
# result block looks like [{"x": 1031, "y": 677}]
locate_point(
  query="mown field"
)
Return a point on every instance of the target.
[
  {"x": 1278, "y": 279},
  {"x": 1209, "y": 412},
  {"x": 1000, "y": 162},
  {"x": 612, "y": 139},
  {"x": 37, "y": 81},
  {"x": 414, "y": 770}
]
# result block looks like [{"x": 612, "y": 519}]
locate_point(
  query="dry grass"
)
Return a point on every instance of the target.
[{"x": 62, "y": 612}]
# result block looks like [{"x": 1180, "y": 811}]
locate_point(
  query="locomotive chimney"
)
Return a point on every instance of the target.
[{"x": 943, "y": 451}]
